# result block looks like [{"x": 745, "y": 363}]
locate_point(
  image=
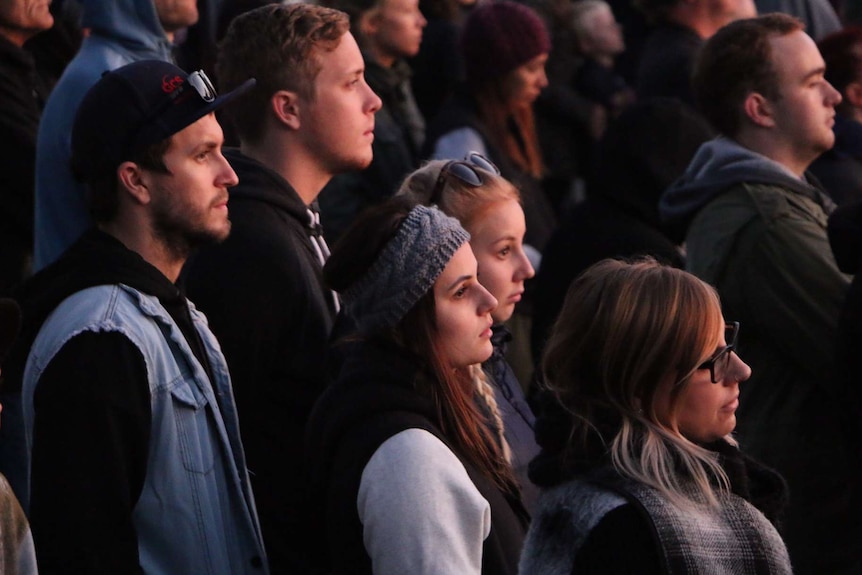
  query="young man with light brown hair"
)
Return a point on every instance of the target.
[
  {"x": 311, "y": 116},
  {"x": 756, "y": 230}
]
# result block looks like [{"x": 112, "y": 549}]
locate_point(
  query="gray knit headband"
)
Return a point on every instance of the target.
[{"x": 405, "y": 270}]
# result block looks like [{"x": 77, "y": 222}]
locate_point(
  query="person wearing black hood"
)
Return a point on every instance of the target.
[
  {"x": 678, "y": 30},
  {"x": 642, "y": 153},
  {"x": 840, "y": 169},
  {"x": 754, "y": 222},
  {"x": 310, "y": 117},
  {"x": 639, "y": 470},
  {"x": 127, "y": 402}
]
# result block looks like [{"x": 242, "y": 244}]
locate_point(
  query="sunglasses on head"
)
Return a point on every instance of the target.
[{"x": 465, "y": 170}]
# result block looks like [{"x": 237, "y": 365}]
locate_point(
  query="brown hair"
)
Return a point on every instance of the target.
[
  {"x": 626, "y": 331},
  {"x": 735, "y": 62},
  {"x": 452, "y": 390},
  {"x": 278, "y": 46},
  {"x": 103, "y": 189},
  {"x": 458, "y": 199},
  {"x": 521, "y": 144}
]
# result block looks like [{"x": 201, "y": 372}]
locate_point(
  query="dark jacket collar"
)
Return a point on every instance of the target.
[
  {"x": 97, "y": 258},
  {"x": 259, "y": 182}
]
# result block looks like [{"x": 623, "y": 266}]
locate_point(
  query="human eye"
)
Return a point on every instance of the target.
[
  {"x": 505, "y": 251},
  {"x": 817, "y": 81},
  {"x": 461, "y": 292}
]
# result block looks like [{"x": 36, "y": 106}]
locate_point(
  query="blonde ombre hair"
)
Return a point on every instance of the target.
[{"x": 627, "y": 332}]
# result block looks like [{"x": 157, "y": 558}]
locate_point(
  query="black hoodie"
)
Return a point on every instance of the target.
[
  {"x": 96, "y": 259},
  {"x": 374, "y": 399},
  {"x": 262, "y": 291}
]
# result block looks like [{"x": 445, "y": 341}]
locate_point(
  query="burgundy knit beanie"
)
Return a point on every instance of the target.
[{"x": 499, "y": 36}]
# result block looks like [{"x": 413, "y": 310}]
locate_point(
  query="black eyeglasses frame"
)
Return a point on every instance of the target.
[{"x": 727, "y": 349}]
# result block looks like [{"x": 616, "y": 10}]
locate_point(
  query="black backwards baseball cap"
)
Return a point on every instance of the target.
[{"x": 138, "y": 105}]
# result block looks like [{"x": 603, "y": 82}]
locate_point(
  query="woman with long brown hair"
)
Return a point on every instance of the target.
[
  {"x": 644, "y": 475},
  {"x": 411, "y": 478}
]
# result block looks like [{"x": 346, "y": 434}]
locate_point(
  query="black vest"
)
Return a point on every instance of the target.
[{"x": 338, "y": 471}]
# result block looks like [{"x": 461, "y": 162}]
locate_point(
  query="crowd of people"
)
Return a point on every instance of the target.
[{"x": 589, "y": 307}]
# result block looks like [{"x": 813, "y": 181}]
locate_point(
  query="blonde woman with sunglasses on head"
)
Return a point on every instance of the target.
[{"x": 640, "y": 472}]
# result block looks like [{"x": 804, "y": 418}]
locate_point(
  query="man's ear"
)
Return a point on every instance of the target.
[
  {"x": 133, "y": 181},
  {"x": 759, "y": 110},
  {"x": 285, "y": 105}
]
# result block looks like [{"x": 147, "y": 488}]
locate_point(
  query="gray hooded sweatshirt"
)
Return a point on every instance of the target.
[{"x": 121, "y": 32}]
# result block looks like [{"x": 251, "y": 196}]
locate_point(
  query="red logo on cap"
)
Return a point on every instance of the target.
[{"x": 171, "y": 84}]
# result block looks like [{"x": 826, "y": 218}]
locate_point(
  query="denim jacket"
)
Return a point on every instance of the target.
[{"x": 196, "y": 465}]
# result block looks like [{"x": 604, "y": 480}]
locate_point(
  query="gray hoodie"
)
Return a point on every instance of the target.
[{"x": 718, "y": 165}]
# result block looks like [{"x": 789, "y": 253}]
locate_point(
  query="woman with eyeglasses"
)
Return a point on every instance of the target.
[
  {"x": 409, "y": 476},
  {"x": 639, "y": 470},
  {"x": 489, "y": 208}
]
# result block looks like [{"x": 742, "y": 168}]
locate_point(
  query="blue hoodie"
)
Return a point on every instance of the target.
[{"x": 121, "y": 32}]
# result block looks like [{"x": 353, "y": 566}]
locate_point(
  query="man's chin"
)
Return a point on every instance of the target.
[
  {"x": 209, "y": 237},
  {"x": 361, "y": 163},
  {"x": 221, "y": 235}
]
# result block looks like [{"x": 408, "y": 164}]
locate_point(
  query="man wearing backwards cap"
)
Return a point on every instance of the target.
[{"x": 137, "y": 464}]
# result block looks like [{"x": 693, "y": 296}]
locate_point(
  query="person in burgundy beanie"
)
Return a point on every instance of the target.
[{"x": 500, "y": 36}]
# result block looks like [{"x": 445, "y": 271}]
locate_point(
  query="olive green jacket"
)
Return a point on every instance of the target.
[{"x": 764, "y": 246}]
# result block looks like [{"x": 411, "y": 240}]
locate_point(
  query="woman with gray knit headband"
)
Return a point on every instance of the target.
[
  {"x": 402, "y": 461},
  {"x": 489, "y": 207}
]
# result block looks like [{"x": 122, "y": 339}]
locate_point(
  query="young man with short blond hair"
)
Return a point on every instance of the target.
[{"x": 311, "y": 116}]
